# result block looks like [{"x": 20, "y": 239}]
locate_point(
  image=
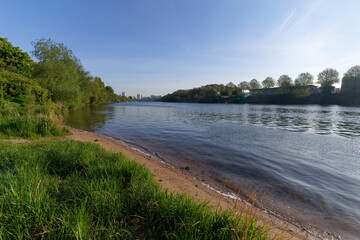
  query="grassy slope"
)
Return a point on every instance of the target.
[{"x": 70, "y": 190}]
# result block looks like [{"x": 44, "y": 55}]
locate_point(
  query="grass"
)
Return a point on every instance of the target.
[
  {"x": 29, "y": 121},
  {"x": 62, "y": 189}
]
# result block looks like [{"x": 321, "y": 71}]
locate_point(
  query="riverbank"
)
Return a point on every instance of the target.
[
  {"x": 56, "y": 188},
  {"x": 178, "y": 181}
]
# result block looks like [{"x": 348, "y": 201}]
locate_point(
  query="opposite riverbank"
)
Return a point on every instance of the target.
[{"x": 177, "y": 181}]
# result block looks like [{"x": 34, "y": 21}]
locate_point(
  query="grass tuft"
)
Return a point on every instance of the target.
[{"x": 30, "y": 121}]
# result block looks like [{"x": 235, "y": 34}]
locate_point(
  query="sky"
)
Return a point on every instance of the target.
[{"x": 155, "y": 47}]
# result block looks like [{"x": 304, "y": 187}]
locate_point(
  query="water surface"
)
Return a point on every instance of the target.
[{"x": 305, "y": 158}]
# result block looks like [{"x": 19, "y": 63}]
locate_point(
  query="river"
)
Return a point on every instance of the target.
[{"x": 304, "y": 161}]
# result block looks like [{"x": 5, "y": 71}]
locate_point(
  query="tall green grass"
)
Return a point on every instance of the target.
[
  {"x": 69, "y": 190},
  {"x": 29, "y": 121}
]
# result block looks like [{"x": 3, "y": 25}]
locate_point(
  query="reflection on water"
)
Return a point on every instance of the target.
[
  {"x": 335, "y": 120},
  {"x": 90, "y": 118},
  {"x": 306, "y": 157}
]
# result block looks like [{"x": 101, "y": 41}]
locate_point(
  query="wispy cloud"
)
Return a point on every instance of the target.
[
  {"x": 286, "y": 21},
  {"x": 311, "y": 8},
  {"x": 346, "y": 59}
]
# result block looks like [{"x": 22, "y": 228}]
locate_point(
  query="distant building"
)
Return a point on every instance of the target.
[
  {"x": 336, "y": 90},
  {"x": 123, "y": 94},
  {"x": 313, "y": 90},
  {"x": 139, "y": 97}
]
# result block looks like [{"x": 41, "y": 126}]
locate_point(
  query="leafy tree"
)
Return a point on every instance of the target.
[
  {"x": 285, "y": 81},
  {"x": 209, "y": 96},
  {"x": 268, "y": 82},
  {"x": 327, "y": 78},
  {"x": 17, "y": 88},
  {"x": 301, "y": 92},
  {"x": 99, "y": 93},
  {"x": 230, "y": 85},
  {"x": 244, "y": 86},
  {"x": 13, "y": 59},
  {"x": 254, "y": 84},
  {"x": 304, "y": 79},
  {"x": 231, "y": 89},
  {"x": 353, "y": 72},
  {"x": 86, "y": 85},
  {"x": 350, "y": 86},
  {"x": 109, "y": 89},
  {"x": 57, "y": 71}
]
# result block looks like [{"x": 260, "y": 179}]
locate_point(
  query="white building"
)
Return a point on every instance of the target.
[{"x": 123, "y": 94}]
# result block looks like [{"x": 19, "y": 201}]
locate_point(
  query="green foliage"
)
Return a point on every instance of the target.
[
  {"x": 29, "y": 121},
  {"x": 300, "y": 91},
  {"x": 62, "y": 74},
  {"x": 327, "y": 78},
  {"x": 244, "y": 85},
  {"x": 17, "y": 88},
  {"x": 304, "y": 79},
  {"x": 254, "y": 84},
  {"x": 268, "y": 82},
  {"x": 13, "y": 59},
  {"x": 350, "y": 87},
  {"x": 353, "y": 72},
  {"x": 57, "y": 71},
  {"x": 285, "y": 83},
  {"x": 207, "y": 94},
  {"x": 72, "y": 190}
]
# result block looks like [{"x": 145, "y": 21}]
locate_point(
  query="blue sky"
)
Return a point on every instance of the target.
[{"x": 159, "y": 46}]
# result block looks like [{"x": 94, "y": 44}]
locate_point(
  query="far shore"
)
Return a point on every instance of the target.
[{"x": 177, "y": 181}]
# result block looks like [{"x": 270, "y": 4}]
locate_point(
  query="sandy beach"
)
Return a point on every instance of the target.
[{"x": 178, "y": 181}]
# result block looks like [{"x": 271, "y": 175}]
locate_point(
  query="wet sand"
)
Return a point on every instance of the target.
[{"x": 179, "y": 181}]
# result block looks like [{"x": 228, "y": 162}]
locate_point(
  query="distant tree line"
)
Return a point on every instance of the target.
[
  {"x": 213, "y": 93},
  {"x": 57, "y": 76},
  {"x": 288, "y": 91}
]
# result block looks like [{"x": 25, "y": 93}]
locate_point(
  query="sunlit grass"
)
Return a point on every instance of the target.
[
  {"x": 31, "y": 121},
  {"x": 71, "y": 190}
]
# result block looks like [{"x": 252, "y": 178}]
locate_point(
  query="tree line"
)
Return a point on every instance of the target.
[
  {"x": 56, "y": 76},
  {"x": 289, "y": 91}
]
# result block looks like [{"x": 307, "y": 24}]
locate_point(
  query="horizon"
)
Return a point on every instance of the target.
[{"x": 158, "y": 47}]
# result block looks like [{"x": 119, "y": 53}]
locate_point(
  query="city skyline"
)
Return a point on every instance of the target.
[{"x": 161, "y": 46}]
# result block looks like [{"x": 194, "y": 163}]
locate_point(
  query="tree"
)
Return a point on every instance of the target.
[
  {"x": 268, "y": 82},
  {"x": 304, "y": 79},
  {"x": 57, "y": 71},
  {"x": 350, "y": 86},
  {"x": 13, "y": 59},
  {"x": 327, "y": 78},
  {"x": 353, "y": 72},
  {"x": 254, "y": 84},
  {"x": 231, "y": 88},
  {"x": 109, "y": 89},
  {"x": 230, "y": 85},
  {"x": 244, "y": 86},
  {"x": 285, "y": 83}
]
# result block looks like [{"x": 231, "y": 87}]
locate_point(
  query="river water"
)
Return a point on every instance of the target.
[{"x": 303, "y": 160}]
